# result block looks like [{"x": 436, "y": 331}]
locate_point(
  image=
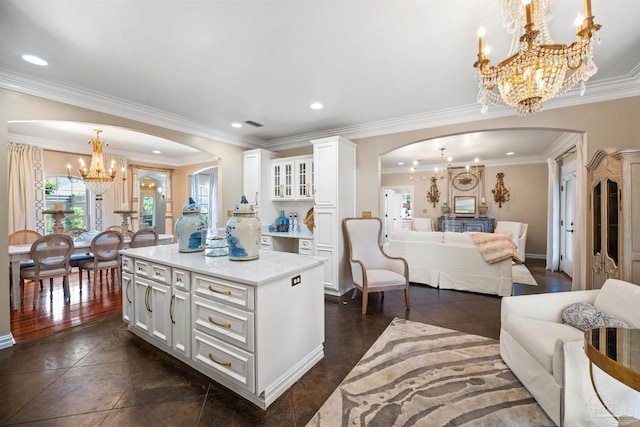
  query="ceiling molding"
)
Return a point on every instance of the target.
[
  {"x": 609, "y": 89},
  {"x": 428, "y": 169},
  {"x": 117, "y": 107},
  {"x": 64, "y": 147}
]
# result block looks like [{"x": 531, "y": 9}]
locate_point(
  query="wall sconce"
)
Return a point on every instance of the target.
[
  {"x": 433, "y": 195},
  {"x": 161, "y": 192},
  {"x": 500, "y": 193}
]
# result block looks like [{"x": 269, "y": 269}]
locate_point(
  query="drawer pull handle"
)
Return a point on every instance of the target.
[
  {"x": 223, "y": 325},
  {"x": 147, "y": 299},
  {"x": 173, "y": 297},
  {"x": 140, "y": 268},
  {"x": 219, "y": 363},
  {"x": 126, "y": 291},
  {"x": 219, "y": 292},
  {"x": 179, "y": 279},
  {"x": 157, "y": 273}
]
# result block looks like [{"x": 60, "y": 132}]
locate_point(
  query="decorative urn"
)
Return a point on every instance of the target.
[
  {"x": 243, "y": 233},
  {"x": 191, "y": 228}
]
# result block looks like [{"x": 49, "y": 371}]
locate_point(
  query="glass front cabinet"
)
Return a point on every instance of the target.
[
  {"x": 292, "y": 178},
  {"x": 614, "y": 242}
]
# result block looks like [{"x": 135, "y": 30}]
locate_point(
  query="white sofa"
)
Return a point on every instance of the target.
[
  {"x": 449, "y": 261},
  {"x": 548, "y": 356}
]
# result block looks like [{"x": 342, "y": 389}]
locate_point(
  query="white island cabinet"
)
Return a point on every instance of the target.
[{"x": 255, "y": 326}]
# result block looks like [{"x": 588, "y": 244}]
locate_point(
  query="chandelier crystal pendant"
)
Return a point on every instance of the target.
[
  {"x": 536, "y": 67},
  {"x": 97, "y": 179}
]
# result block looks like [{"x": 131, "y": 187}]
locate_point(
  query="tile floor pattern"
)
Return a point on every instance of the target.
[{"x": 99, "y": 374}]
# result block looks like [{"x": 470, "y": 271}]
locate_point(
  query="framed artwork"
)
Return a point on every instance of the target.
[{"x": 464, "y": 205}]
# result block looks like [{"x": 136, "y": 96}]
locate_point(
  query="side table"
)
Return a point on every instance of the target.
[
  {"x": 124, "y": 227},
  {"x": 616, "y": 351}
]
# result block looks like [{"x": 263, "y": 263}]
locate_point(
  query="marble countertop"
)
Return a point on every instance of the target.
[
  {"x": 271, "y": 265},
  {"x": 304, "y": 233}
]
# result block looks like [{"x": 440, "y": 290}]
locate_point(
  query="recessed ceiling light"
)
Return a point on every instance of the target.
[
  {"x": 157, "y": 152},
  {"x": 510, "y": 153},
  {"x": 400, "y": 163},
  {"x": 35, "y": 60},
  {"x": 316, "y": 106},
  {"x": 236, "y": 125}
]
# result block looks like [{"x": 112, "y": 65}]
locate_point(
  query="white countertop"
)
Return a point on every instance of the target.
[
  {"x": 271, "y": 265},
  {"x": 304, "y": 233}
]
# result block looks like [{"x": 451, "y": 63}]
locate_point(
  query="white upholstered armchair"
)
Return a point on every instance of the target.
[
  {"x": 517, "y": 231},
  {"x": 372, "y": 270}
]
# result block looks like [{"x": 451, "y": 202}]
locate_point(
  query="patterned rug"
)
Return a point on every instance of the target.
[
  {"x": 522, "y": 275},
  {"x": 422, "y": 375}
]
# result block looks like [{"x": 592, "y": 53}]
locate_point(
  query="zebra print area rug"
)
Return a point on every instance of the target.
[{"x": 422, "y": 375}]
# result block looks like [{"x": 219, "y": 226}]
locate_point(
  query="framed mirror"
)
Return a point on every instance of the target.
[{"x": 464, "y": 205}]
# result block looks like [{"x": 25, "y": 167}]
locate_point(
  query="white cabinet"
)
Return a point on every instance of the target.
[
  {"x": 292, "y": 178},
  {"x": 253, "y": 327},
  {"x": 305, "y": 247},
  {"x": 334, "y": 162},
  {"x": 256, "y": 182},
  {"x": 127, "y": 290}
]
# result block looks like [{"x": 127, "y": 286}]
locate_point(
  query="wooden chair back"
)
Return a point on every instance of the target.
[{"x": 23, "y": 237}]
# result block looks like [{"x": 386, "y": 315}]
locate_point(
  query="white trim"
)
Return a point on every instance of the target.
[{"x": 7, "y": 341}]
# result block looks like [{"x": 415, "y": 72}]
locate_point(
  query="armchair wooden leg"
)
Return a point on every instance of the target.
[
  {"x": 365, "y": 300},
  {"x": 407, "y": 298}
]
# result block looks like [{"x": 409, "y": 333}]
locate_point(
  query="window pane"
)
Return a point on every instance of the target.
[{"x": 72, "y": 195}]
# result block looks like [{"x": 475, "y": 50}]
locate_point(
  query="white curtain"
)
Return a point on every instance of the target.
[
  {"x": 117, "y": 195},
  {"x": 213, "y": 199},
  {"x": 553, "y": 216},
  {"x": 26, "y": 187},
  {"x": 579, "y": 281}
]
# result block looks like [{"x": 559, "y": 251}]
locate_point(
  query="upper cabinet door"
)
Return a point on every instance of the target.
[
  {"x": 282, "y": 180},
  {"x": 251, "y": 177},
  {"x": 304, "y": 179},
  {"x": 325, "y": 163}
]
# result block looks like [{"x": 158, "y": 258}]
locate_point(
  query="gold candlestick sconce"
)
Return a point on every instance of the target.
[{"x": 500, "y": 193}]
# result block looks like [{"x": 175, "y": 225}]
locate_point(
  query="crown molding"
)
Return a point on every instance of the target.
[{"x": 118, "y": 107}]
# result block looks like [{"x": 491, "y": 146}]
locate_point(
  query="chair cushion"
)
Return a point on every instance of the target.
[
  {"x": 421, "y": 224},
  {"x": 89, "y": 265},
  {"x": 620, "y": 299},
  {"x": 30, "y": 273},
  {"x": 381, "y": 278},
  {"x": 538, "y": 337},
  {"x": 585, "y": 316}
]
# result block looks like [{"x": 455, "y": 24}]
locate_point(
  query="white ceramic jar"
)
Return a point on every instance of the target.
[
  {"x": 243, "y": 233},
  {"x": 191, "y": 228}
]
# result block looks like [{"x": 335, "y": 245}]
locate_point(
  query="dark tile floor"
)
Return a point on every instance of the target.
[{"x": 99, "y": 374}]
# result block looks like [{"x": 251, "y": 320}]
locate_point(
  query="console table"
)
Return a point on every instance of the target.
[{"x": 460, "y": 225}]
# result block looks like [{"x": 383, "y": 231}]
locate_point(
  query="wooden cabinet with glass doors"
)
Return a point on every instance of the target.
[{"x": 614, "y": 240}]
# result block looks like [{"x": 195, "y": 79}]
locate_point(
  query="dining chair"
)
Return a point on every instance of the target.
[
  {"x": 144, "y": 237},
  {"x": 114, "y": 228},
  {"x": 371, "y": 269},
  {"x": 50, "y": 255},
  {"x": 23, "y": 237},
  {"x": 105, "y": 248}
]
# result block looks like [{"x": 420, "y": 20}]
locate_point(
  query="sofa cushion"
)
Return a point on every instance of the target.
[
  {"x": 457, "y": 238},
  {"x": 421, "y": 224},
  {"x": 416, "y": 236},
  {"x": 620, "y": 299},
  {"x": 538, "y": 337},
  {"x": 585, "y": 316}
]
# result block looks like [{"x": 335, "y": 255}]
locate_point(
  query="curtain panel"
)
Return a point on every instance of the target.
[
  {"x": 117, "y": 195},
  {"x": 26, "y": 187}
]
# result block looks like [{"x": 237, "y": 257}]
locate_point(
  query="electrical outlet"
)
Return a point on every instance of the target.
[
  {"x": 296, "y": 280},
  {"x": 366, "y": 214},
  {"x": 229, "y": 214}
]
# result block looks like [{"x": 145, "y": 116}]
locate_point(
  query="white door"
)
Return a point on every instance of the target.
[
  {"x": 567, "y": 216},
  {"x": 392, "y": 210}
]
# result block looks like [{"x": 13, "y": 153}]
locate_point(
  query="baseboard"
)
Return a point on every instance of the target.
[
  {"x": 536, "y": 256},
  {"x": 6, "y": 341}
]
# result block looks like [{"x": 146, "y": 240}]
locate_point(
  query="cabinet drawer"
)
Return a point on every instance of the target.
[
  {"x": 305, "y": 244},
  {"x": 157, "y": 272},
  {"x": 305, "y": 252},
  {"x": 223, "y": 291},
  {"x": 127, "y": 264},
  {"x": 181, "y": 279},
  {"x": 227, "y": 323},
  {"x": 224, "y": 360},
  {"x": 265, "y": 240}
]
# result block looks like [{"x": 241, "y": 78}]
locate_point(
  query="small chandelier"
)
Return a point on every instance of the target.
[
  {"x": 96, "y": 179},
  {"x": 535, "y": 69},
  {"x": 440, "y": 172}
]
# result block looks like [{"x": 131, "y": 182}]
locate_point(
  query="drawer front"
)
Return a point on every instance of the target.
[
  {"x": 225, "y": 322},
  {"x": 127, "y": 264},
  {"x": 305, "y": 252},
  {"x": 181, "y": 279},
  {"x": 223, "y": 291},
  {"x": 158, "y": 272},
  {"x": 265, "y": 240},
  {"x": 304, "y": 244},
  {"x": 224, "y": 360}
]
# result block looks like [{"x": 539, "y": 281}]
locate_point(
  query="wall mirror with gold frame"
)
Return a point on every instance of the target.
[{"x": 464, "y": 205}]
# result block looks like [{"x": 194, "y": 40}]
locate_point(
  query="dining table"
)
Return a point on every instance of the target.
[{"x": 21, "y": 253}]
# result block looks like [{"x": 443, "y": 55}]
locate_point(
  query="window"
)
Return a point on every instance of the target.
[{"x": 72, "y": 195}]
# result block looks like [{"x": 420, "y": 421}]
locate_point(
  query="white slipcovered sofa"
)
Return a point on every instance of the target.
[
  {"x": 548, "y": 355},
  {"x": 449, "y": 261},
  {"x": 517, "y": 231}
]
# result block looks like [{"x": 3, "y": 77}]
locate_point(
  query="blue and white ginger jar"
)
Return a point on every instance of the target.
[
  {"x": 243, "y": 233},
  {"x": 191, "y": 228}
]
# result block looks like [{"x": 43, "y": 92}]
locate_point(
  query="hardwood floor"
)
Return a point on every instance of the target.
[{"x": 52, "y": 314}]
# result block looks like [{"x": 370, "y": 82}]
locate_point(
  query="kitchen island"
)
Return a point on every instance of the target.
[{"x": 253, "y": 326}]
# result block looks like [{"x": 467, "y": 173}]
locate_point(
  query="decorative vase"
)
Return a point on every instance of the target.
[
  {"x": 243, "y": 233},
  {"x": 282, "y": 222},
  {"x": 190, "y": 228}
]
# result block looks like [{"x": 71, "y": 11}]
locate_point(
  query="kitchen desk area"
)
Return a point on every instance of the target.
[
  {"x": 298, "y": 242},
  {"x": 255, "y": 326}
]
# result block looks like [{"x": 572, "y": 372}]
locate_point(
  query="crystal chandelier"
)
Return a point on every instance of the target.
[
  {"x": 443, "y": 168},
  {"x": 535, "y": 68},
  {"x": 96, "y": 179}
]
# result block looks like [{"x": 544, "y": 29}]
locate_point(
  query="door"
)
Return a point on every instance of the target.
[
  {"x": 567, "y": 216},
  {"x": 393, "y": 200}
]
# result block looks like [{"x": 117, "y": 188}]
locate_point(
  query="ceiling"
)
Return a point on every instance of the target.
[{"x": 198, "y": 66}]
